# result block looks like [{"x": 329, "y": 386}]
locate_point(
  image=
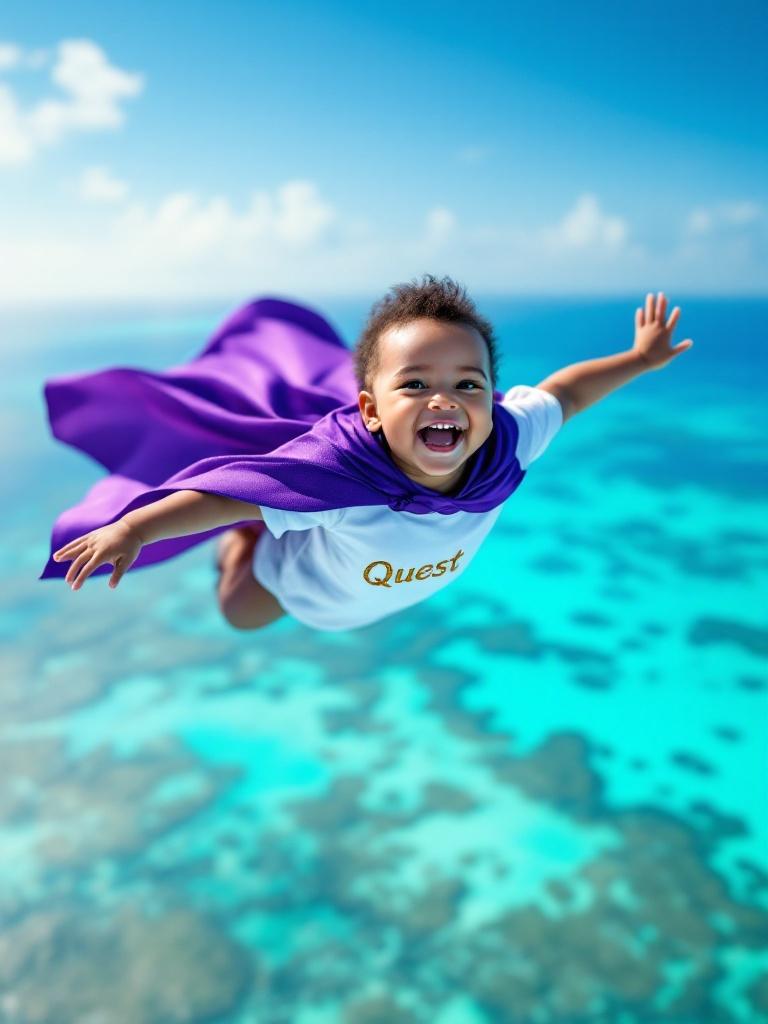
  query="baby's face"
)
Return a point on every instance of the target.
[{"x": 452, "y": 384}]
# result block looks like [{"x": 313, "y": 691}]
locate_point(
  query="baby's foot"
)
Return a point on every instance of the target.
[{"x": 235, "y": 548}]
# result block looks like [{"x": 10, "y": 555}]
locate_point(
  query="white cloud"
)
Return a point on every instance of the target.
[
  {"x": 93, "y": 90},
  {"x": 97, "y": 185},
  {"x": 586, "y": 226},
  {"x": 473, "y": 154},
  {"x": 10, "y": 56},
  {"x": 292, "y": 240},
  {"x": 184, "y": 226},
  {"x": 705, "y": 220},
  {"x": 699, "y": 221},
  {"x": 184, "y": 245},
  {"x": 16, "y": 145},
  {"x": 441, "y": 224},
  {"x": 300, "y": 216}
]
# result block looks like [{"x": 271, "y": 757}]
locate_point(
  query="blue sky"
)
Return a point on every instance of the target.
[{"x": 192, "y": 150}]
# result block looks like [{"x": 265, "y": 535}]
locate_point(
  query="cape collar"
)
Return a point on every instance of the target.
[{"x": 491, "y": 473}]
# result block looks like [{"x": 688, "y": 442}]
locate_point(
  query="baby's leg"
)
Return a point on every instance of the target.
[{"x": 244, "y": 603}]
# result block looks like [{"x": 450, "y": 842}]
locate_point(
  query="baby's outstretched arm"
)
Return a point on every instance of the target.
[
  {"x": 581, "y": 384},
  {"x": 176, "y": 515},
  {"x": 188, "y": 512}
]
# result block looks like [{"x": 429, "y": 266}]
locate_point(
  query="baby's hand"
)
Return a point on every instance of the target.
[
  {"x": 117, "y": 543},
  {"x": 652, "y": 335}
]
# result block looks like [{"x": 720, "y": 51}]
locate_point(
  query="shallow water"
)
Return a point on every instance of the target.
[{"x": 540, "y": 797}]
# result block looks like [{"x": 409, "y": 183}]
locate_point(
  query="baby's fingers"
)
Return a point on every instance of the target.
[
  {"x": 117, "y": 575},
  {"x": 68, "y": 551},
  {"x": 77, "y": 564},
  {"x": 673, "y": 317},
  {"x": 83, "y": 568}
]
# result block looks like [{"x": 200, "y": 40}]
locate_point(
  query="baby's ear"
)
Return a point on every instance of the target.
[{"x": 367, "y": 405}]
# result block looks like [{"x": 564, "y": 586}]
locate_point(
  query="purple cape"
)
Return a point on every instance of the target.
[{"x": 267, "y": 413}]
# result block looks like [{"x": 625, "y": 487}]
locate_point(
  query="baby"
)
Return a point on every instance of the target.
[{"x": 426, "y": 364}]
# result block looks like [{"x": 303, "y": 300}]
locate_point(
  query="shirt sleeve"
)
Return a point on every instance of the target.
[
  {"x": 539, "y": 416},
  {"x": 278, "y": 520}
]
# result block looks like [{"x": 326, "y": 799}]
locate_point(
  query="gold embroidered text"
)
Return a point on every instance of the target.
[{"x": 383, "y": 577}]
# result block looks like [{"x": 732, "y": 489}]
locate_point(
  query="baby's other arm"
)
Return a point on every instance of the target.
[
  {"x": 567, "y": 404},
  {"x": 582, "y": 384},
  {"x": 187, "y": 512}
]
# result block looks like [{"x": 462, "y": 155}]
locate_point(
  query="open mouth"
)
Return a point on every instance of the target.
[{"x": 440, "y": 440}]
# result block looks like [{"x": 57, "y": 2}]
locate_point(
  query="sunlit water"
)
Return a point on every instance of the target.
[{"x": 541, "y": 796}]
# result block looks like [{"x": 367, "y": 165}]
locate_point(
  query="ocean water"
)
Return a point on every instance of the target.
[{"x": 540, "y": 797}]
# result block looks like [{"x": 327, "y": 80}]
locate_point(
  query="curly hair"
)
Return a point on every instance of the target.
[{"x": 443, "y": 299}]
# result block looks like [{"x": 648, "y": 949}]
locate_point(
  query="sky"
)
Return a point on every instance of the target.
[{"x": 198, "y": 150}]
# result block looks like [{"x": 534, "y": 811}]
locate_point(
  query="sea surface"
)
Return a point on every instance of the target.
[{"x": 539, "y": 798}]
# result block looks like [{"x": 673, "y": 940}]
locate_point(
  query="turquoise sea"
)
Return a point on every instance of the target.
[{"x": 539, "y": 798}]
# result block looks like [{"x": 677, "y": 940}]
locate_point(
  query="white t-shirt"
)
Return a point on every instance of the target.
[{"x": 348, "y": 567}]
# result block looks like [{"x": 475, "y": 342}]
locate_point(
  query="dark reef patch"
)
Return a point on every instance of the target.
[{"x": 716, "y": 630}]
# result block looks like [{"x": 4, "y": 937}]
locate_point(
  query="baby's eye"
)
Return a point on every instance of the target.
[{"x": 410, "y": 383}]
